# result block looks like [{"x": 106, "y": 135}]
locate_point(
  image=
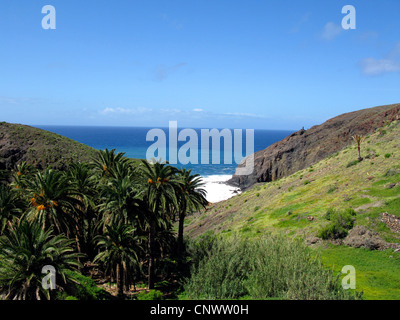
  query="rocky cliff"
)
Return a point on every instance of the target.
[{"x": 306, "y": 147}]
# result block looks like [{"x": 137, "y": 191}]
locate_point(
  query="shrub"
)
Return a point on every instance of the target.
[
  {"x": 332, "y": 231},
  {"x": 352, "y": 163},
  {"x": 329, "y": 212},
  {"x": 85, "y": 288},
  {"x": 332, "y": 188},
  {"x": 261, "y": 268},
  {"x": 350, "y": 211},
  {"x": 391, "y": 172},
  {"x": 382, "y": 132},
  {"x": 340, "y": 223},
  {"x": 198, "y": 249},
  {"x": 151, "y": 295},
  {"x": 387, "y": 155}
]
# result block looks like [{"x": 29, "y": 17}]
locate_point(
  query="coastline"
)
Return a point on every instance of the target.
[{"x": 218, "y": 189}]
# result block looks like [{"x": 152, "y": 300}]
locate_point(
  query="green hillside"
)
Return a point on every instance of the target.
[
  {"x": 297, "y": 205},
  {"x": 40, "y": 148}
]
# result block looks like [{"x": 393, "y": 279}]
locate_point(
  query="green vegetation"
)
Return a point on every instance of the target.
[
  {"x": 377, "y": 272},
  {"x": 111, "y": 216},
  {"x": 25, "y": 248},
  {"x": 82, "y": 288},
  {"x": 352, "y": 163},
  {"x": 43, "y": 149},
  {"x": 358, "y": 139},
  {"x": 151, "y": 295},
  {"x": 340, "y": 223},
  {"x": 111, "y": 225},
  {"x": 370, "y": 188},
  {"x": 271, "y": 267},
  {"x": 332, "y": 188}
]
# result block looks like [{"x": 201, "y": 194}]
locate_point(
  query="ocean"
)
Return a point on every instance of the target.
[{"x": 132, "y": 141}]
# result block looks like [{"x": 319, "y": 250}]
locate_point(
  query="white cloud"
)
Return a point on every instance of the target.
[
  {"x": 176, "y": 114},
  {"x": 389, "y": 63},
  {"x": 373, "y": 67},
  {"x": 140, "y": 110},
  {"x": 171, "y": 111},
  {"x": 331, "y": 31},
  {"x": 16, "y": 101},
  {"x": 243, "y": 114}
]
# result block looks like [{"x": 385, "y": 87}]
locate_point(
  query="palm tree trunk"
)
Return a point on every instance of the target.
[
  {"x": 180, "y": 234},
  {"x": 151, "y": 257},
  {"x": 78, "y": 243},
  {"x": 126, "y": 279},
  {"x": 120, "y": 280}
]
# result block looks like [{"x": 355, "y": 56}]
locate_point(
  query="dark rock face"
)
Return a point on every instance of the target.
[
  {"x": 306, "y": 147},
  {"x": 9, "y": 154}
]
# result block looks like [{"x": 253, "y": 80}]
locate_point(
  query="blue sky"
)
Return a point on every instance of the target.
[{"x": 220, "y": 63}]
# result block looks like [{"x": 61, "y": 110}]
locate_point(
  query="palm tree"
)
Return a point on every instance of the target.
[
  {"x": 358, "y": 139},
  {"x": 165, "y": 240},
  {"x": 106, "y": 162},
  {"x": 83, "y": 181},
  {"x": 11, "y": 206},
  {"x": 24, "y": 250},
  {"x": 161, "y": 198},
  {"x": 53, "y": 200},
  {"x": 81, "y": 176},
  {"x": 120, "y": 251},
  {"x": 119, "y": 200},
  {"x": 21, "y": 175},
  {"x": 191, "y": 197}
]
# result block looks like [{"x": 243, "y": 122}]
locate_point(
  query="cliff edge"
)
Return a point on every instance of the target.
[{"x": 306, "y": 147}]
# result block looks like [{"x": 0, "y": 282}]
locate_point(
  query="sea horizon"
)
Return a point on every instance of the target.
[{"x": 132, "y": 141}]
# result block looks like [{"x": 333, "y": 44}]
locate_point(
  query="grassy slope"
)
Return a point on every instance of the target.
[
  {"x": 284, "y": 205},
  {"x": 43, "y": 147}
]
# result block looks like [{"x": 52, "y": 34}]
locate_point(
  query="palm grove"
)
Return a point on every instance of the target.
[{"x": 114, "y": 213}]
